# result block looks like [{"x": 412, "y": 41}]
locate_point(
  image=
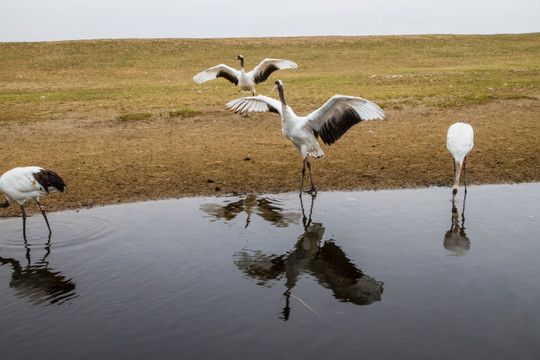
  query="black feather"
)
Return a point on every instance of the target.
[
  {"x": 273, "y": 109},
  {"x": 338, "y": 125},
  {"x": 48, "y": 178},
  {"x": 263, "y": 75},
  {"x": 227, "y": 75}
]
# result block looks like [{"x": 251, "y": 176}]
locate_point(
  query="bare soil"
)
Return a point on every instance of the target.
[{"x": 106, "y": 161}]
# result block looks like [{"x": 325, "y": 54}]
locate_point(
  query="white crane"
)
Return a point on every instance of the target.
[
  {"x": 245, "y": 81},
  {"x": 329, "y": 122},
  {"x": 459, "y": 142},
  {"x": 24, "y": 183}
]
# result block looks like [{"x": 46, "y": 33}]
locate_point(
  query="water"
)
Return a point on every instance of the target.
[{"x": 349, "y": 275}]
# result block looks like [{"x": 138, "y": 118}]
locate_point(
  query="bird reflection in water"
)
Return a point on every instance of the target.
[
  {"x": 455, "y": 239},
  {"x": 266, "y": 208},
  {"x": 37, "y": 282},
  {"x": 327, "y": 263}
]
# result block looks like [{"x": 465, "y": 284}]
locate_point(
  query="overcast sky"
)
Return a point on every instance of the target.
[{"x": 47, "y": 20}]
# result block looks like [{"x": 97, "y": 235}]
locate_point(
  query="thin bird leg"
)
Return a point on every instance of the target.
[
  {"x": 23, "y": 222},
  {"x": 306, "y": 221},
  {"x": 313, "y": 190},
  {"x": 44, "y": 216},
  {"x": 454, "y": 192},
  {"x": 464, "y": 175},
  {"x": 303, "y": 173}
]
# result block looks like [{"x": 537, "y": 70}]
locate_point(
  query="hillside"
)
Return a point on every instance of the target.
[{"x": 122, "y": 120}]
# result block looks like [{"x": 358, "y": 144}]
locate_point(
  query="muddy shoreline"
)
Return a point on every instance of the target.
[{"x": 107, "y": 161}]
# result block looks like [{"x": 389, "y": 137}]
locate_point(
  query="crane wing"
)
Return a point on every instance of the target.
[
  {"x": 339, "y": 114},
  {"x": 19, "y": 180},
  {"x": 267, "y": 67},
  {"x": 214, "y": 72},
  {"x": 254, "y": 103}
]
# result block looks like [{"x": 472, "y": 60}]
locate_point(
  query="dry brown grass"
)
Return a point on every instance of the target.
[{"x": 62, "y": 104}]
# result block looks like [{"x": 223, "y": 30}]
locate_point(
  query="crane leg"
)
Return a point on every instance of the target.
[
  {"x": 44, "y": 216},
  {"x": 302, "y": 180},
  {"x": 464, "y": 174},
  {"x": 23, "y": 222},
  {"x": 312, "y": 191}
]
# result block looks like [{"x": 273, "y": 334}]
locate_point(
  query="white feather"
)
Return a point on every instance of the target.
[
  {"x": 211, "y": 73},
  {"x": 253, "y": 103}
]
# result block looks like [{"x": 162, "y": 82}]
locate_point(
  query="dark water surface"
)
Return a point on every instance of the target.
[{"x": 349, "y": 275}]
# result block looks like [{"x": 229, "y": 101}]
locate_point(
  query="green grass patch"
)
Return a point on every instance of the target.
[
  {"x": 475, "y": 99},
  {"x": 134, "y": 116},
  {"x": 40, "y": 79}
]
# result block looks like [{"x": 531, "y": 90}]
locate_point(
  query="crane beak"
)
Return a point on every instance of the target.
[{"x": 275, "y": 87}]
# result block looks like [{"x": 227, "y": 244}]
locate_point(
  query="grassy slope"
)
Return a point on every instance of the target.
[
  {"x": 114, "y": 77},
  {"x": 121, "y": 120}
]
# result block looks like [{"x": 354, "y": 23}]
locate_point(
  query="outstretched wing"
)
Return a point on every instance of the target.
[
  {"x": 254, "y": 103},
  {"x": 339, "y": 114},
  {"x": 267, "y": 67},
  {"x": 214, "y": 72}
]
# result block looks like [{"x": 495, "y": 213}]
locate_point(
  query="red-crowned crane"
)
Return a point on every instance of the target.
[
  {"x": 245, "y": 81},
  {"x": 25, "y": 183},
  {"x": 459, "y": 142},
  {"x": 329, "y": 122}
]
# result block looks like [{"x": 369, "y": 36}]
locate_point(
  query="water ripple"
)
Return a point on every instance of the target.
[{"x": 68, "y": 229}]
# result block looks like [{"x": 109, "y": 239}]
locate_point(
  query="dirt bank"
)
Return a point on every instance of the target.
[{"x": 106, "y": 161}]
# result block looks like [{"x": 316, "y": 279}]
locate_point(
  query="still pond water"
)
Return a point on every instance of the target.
[{"x": 346, "y": 275}]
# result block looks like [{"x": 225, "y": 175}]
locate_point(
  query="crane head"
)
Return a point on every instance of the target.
[
  {"x": 278, "y": 84},
  {"x": 241, "y": 58}
]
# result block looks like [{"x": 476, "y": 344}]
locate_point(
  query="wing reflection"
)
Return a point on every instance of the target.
[
  {"x": 455, "y": 239},
  {"x": 37, "y": 282},
  {"x": 266, "y": 208},
  {"x": 327, "y": 263}
]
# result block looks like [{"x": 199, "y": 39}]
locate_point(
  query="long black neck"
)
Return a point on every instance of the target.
[
  {"x": 241, "y": 62},
  {"x": 48, "y": 178},
  {"x": 281, "y": 95}
]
